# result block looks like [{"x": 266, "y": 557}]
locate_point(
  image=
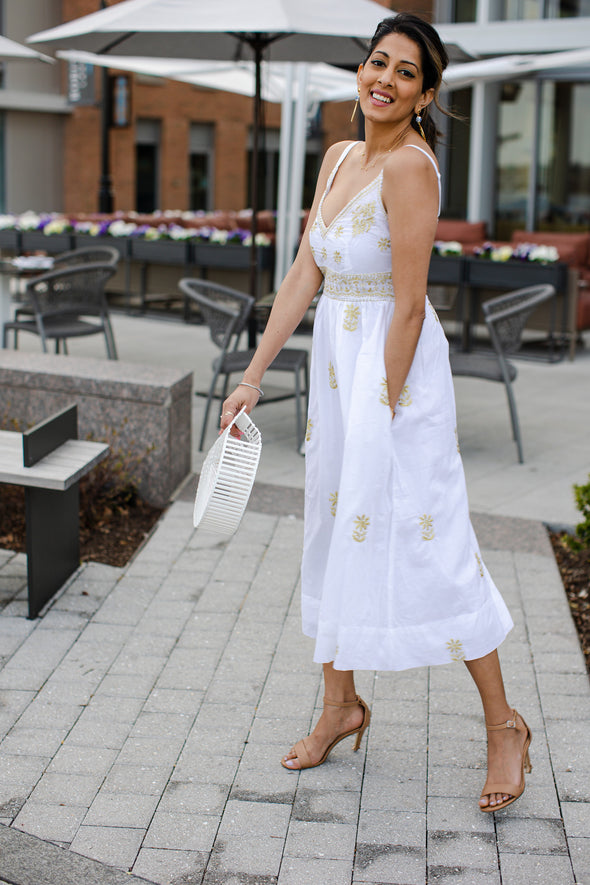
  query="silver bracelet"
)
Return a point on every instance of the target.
[{"x": 253, "y": 386}]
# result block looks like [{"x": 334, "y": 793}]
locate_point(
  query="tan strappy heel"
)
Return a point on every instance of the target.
[
  {"x": 515, "y": 790},
  {"x": 300, "y": 748}
]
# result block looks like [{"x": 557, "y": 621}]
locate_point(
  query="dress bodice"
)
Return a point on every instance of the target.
[{"x": 353, "y": 252}]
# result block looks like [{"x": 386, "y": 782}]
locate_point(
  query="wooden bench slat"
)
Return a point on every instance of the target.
[{"x": 59, "y": 470}]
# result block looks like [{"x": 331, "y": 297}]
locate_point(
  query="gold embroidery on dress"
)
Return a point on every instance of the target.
[
  {"x": 479, "y": 564},
  {"x": 455, "y": 647},
  {"x": 427, "y": 527},
  {"x": 384, "y": 398},
  {"x": 362, "y": 218},
  {"x": 457, "y": 441},
  {"x": 338, "y": 231},
  {"x": 324, "y": 254},
  {"x": 361, "y": 524},
  {"x": 308, "y": 430},
  {"x": 357, "y": 286},
  {"x": 384, "y": 244},
  {"x": 351, "y": 317},
  {"x": 332, "y": 376},
  {"x": 333, "y": 503},
  {"x": 405, "y": 397},
  {"x": 337, "y": 258}
]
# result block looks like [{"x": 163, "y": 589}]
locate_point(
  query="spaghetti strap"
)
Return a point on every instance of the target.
[
  {"x": 341, "y": 159},
  {"x": 427, "y": 155}
]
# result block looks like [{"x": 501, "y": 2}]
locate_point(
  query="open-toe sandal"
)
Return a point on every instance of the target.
[
  {"x": 300, "y": 748},
  {"x": 514, "y": 790}
]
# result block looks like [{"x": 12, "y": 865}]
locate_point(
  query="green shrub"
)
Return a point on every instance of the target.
[{"x": 581, "y": 540}]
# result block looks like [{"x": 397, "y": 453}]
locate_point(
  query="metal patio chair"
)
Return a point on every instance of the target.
[
  {"x": 505, "y": 317},
  {"x": 226, "y": 312},
  {"x": 87, "y": 255},
  {"x": 66, "y": 303}
]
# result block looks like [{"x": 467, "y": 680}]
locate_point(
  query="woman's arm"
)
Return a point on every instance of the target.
[
  {"x": 410, "y": 197},
  {"x": 293, "y": 298}
]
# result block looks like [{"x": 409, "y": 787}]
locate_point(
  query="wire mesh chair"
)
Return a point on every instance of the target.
[
  {"x": 66, "y": 303},
  {"x": 87, "y": 255},
  {"x": 505, "y": 317},
  {"x": 226, "y": 312}
]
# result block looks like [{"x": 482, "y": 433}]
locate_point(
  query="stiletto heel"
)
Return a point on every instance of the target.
[
  {"x": 301, "y": 750},
  {"x": 514, "y": 790}
]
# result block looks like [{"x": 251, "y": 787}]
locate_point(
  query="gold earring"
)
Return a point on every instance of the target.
[
  {"x": 419, "y": 122},
  {"x": 354, "y": 110}
]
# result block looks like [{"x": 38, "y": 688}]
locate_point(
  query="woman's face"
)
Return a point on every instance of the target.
[{"x": 391, "y": 81}]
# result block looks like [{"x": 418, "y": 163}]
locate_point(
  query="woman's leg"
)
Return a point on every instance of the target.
[
  {"x": 339, "y": 687},
  {"x": 506, "y": 745}
]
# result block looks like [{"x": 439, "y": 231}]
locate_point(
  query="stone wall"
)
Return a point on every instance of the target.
[{"x": 141, "y": 411}]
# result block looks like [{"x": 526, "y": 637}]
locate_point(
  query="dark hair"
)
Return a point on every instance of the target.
[{"x": 434, "y": 60}]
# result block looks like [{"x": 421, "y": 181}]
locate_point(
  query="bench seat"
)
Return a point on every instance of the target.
[{"x": 58, "y": 470}]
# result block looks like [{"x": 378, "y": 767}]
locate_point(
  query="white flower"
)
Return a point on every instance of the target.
[
  {"x": 451, "y": 247},
  {"x": 544, "y": 253},
  {"x": 55, "y": 226},
  {"x": 261, "y": 240},
  {"x": 121, "y": 228},
  {"x": 29, "y": 221},
  {"x": 219, "y": 236},
  {"x": 7, "y": 221}
]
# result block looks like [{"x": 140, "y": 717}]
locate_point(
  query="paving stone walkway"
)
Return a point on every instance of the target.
[{"x": 143, "y": 716}]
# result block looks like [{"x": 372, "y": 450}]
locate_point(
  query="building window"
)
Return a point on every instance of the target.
[
  {"x": 563, "y": 182},
  {"x": 201, "y": 154},
  {"x": 147, "y": 165},
  {"x": 268, "y": 169},
  {"x": 516, "y": 10}
]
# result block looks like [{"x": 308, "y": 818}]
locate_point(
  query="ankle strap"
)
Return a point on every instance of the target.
[
  {"x": 510, "y": 723},
  {"x": 329, "y": 703}
]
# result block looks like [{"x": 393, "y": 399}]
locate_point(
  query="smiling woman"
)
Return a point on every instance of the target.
[{"x": 392, "y": 575}]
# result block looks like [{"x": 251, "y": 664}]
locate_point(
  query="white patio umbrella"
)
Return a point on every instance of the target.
[
  {"x": 508, "y": 67},
  {"x": 325, "y": 82},
  {"x": 10, "y": 50},
  {"x": 284, "y": 30}
]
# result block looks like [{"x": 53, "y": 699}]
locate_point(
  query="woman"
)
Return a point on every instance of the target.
[{"x": 392, "y": 576}]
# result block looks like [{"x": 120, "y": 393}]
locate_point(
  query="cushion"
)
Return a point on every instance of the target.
[
  {"x": 574, "y": 249},
  {"x": 462, "y": 231}
]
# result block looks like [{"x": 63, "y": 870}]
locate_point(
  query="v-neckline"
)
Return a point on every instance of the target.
[{"x": 323, "y": 224}]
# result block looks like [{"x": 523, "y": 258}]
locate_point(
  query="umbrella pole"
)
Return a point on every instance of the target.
[
  {"x": 105, "y": 192},
  {"x": 257, "y": 46}
]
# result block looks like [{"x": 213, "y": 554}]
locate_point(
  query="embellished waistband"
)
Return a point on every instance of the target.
[{"x": 358, "y": 286}]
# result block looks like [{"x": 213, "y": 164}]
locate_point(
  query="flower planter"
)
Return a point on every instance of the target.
[
  {"x": 36, "y": 240},
  {"x": 514, "y": 274},
  {"x": 232, "y": 255},
  {"x": 84, "y": 241},
  {"x": 159, "y": 251},
  {"x": 10, "y": 239},
  {"x": 446, "y": 270}
]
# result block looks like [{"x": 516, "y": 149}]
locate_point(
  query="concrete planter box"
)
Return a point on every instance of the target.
[
  {"x": 446, "y": 270},
  {"x": 143, "y": 411},
  {"x": 35, "y": 240},
  {"x": 514, "y": 274},
  {"x": 231, "y": 256},
  {"x": 10, "y": 239},
  {"x": 159, "y": 251},
  {"x": 121, "y": 244}
]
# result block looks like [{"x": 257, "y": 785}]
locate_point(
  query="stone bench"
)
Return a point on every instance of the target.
[
  {"x": 143, "y": 412},
  {"x": 49, "y": 460}
]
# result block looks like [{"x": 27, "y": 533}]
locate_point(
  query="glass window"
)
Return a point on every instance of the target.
[
  {"x": 147, "y": 165},
  {"x": 453, "y": 154},
  {"x": 516, "y": 120},
  {"x": 201, "y": 155},
  {"x": 563, "y": 190},
  {"x": 268, "y": 169}
]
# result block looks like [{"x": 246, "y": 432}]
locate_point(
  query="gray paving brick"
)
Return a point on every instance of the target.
[
  {"x": 115, "y": 846},
  {"x": 576, "y": 817},
  {"x": 389, "y": 864},
  {"x": 456, "y": 875},
  {"x": 136, "y": 779},
  {"x": 458, "y": 815},
  {"x": 334, "y": 841},
  {"x": 535, "y": 870},
  {"x": 82, "y": 760},
  {"x": 55, "y": 823},
  {"x": 580, "y": 855},
  {"x": 255, "y": 818},
  {"x": 449, "y": 848},
  {"x": 172, "y": 700},
  {"x": 313, "y": 871},
  {"x": 130, "y": 810},
  {"x": 181, "y": 831},
  {"x": 241, "y": 854},
  {"x": 55, "y": 788},
  {"x": 207, "y": 767},
  {"x": 165, "y": 866},
  {"x": 193, "y": 797},
  {"x": 539, "y": 836},
  {"x": 319, "y": 806}
]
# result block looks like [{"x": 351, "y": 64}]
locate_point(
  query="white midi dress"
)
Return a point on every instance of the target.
[{"x": 392, "y": 576}]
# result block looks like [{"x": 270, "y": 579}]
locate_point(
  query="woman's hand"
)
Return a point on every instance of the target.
[{"x": 241, "y": 396}]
